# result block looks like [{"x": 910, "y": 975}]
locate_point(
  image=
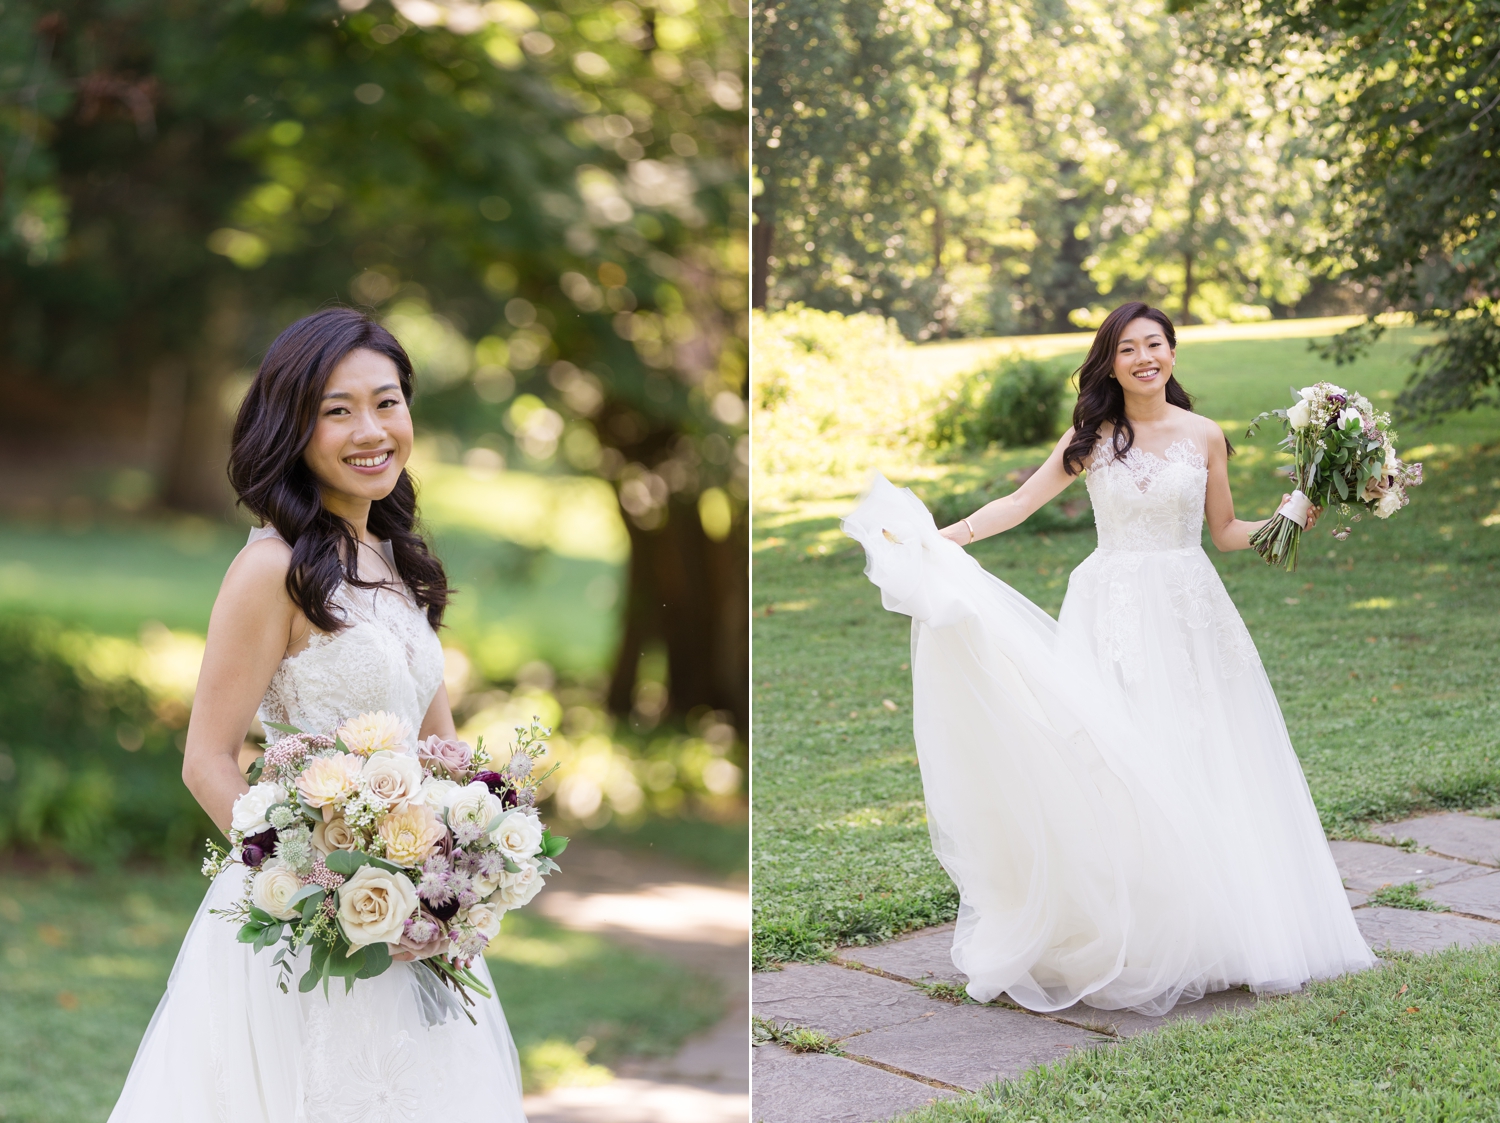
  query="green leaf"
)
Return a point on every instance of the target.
[
  {"x": 304, "y": 893},
  {"x": 313, "y": 903},
  {"x": 257, "y": 766},
  {"x": 250, "y": 932},
  {"x": 338, "y": 744},
  {"x": 377, "y": 961},
  {"x": 553, "y": 844},
  {"x": 309, "y": 979},
  {"x": 283, "y": 728},
  {"x": 262, "y": 915},
  {"x": 1341, "y": 485},
  {"x": 346, "y": 861}
]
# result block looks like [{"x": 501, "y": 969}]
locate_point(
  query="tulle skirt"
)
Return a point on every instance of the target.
[
  {"x": 227, "y": 1046},
  {"x": 1114, "y": 794}
]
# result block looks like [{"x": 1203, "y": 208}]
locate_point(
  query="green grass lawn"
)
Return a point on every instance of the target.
[
  {"x": 1416, "y": 1040},
  {"x": 1381, "y": 649},
  {"x": 84, "y": 959}
]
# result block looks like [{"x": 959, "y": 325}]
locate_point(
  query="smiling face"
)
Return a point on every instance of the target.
[
  {"x": 363, "y": 436},
  {"x": 1143, "y": 358}
]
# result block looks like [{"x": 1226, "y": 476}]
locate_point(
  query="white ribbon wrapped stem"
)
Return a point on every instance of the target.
[{"x": 1297, "y": 507}]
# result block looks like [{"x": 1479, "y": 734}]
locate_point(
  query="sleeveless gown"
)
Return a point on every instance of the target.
[
  {"x": 1113, "y": 793},
  {"x": 227, "y": 1046}
]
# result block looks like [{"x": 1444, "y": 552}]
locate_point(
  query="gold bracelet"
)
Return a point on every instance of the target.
[{"x": 970, "y": 525}]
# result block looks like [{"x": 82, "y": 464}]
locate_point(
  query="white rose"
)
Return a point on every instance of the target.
[
  {"x": 274, "y": 887},
  {"x": 436, "y": 793},
  {"x": 486, "y": 919},
  {"x": 518, "y": 836},
  {"x": 1390, "y": 502},
  {"x": 249, "y": 814},
  {"x": 392, "y": 777},
  {"x": 473, "y": 803},
  {"x": 1392, "y": 462},
  {"x": 1308, "y": 392},
  {"x": 1350, "y": 419},
  {"x": 517, "y": 889},
  {"x": 1300, "y": 415},
  {"x": 374, "y": 906}
]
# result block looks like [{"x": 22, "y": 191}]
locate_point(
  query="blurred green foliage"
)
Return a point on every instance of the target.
[{"x": 1012, "y": 402}]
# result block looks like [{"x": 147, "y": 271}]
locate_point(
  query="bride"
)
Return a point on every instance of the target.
[
  {"x": 328, "y": 612},
  {"x": 1114, "y": 792}
]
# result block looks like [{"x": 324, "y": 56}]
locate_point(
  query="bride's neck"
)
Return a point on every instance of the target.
[
  {"x": 1148, "y": 412},
  {"x": 355, "y": 512}
]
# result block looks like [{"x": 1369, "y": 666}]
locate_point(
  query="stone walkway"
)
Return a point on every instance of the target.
[
  {"x": 905, "y": 1045},
  {"x": 687, "y": 917}
]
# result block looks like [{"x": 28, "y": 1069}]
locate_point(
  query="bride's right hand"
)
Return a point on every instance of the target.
[{"x": 958, "y": 533}]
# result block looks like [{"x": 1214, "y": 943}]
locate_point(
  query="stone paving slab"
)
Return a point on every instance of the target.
[
  {"x": 837, "y": 1000},
  {"x": 819, "y": 1088},
  {"x": 1366, "y": 866},
  {"x": 924, "y": 956},
  {"x": 1477, "y": 896},
  {"x": 1452, "y": 834},
  {"x": 1422, "y": 932},
  {"x": 971, "y": 1045},
  {"x": 1127, "y": 1023}
]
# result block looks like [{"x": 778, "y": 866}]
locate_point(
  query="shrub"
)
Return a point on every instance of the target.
[
  {"x": 87, "y": 764},
  {"x": 1013, "y": 402}
]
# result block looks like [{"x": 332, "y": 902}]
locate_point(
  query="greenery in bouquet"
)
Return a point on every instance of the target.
[
  {"x": 357, "y": 849},
  {"x": 1343, "y": 456}
]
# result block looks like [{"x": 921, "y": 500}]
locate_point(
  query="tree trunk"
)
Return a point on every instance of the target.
[
  {"x": 939, "y": 244},
  {"x": 194, "y": 476},
  {"x": 688, "y": 593},
  {"x": 761, "y": 235},
  {"x": 1187, "y": 286}
]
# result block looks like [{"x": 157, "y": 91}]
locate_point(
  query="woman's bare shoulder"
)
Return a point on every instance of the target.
[{"x": 258, "y": 574}]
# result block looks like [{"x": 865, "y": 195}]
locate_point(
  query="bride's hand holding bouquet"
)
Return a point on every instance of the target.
[
  {"x": 1343, "y": 452},
  {"x": 362, "y": 852}
]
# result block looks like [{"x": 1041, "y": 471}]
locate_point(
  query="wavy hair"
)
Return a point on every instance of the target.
[
  {"x": 273, "y": 482},
  {"x": 1100, "y": 398}
]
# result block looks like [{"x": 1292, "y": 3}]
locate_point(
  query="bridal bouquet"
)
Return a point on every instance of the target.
[
  {"x": 1343, "y": 452},
  {"x": 356, "y": 848}
]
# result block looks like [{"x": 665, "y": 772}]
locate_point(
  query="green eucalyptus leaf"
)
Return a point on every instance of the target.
[
  {"x": 283, "y": 728},
  {"x": 250, "y": 932},
  {"x": 346, "y": 861}
]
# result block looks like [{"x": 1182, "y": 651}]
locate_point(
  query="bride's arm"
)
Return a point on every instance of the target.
[
  {"x": 1229, "y": 533},
  {"x": 248, "y": 633},
  {"x": 1011, "y": 510},
  {"x": 439, "y": 717}
]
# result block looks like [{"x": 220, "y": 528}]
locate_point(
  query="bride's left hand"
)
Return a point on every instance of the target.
[
  {"x": 956, "y": 533},
  {"x": 405, "y": 955},
  {"x": 1312, "y": 512}
]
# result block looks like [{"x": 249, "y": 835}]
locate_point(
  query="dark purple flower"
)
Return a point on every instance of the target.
[
  {"x": 492, "y": 780},
  {"x": 509, "y": 798},
  {"x": 445, "y": 911},
  {"x": 258, "y": 847}
]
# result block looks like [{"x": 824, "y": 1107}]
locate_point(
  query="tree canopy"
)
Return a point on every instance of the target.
[
  {"x": 980, "y": 167},
  {"x": 1410, "y": 130}
]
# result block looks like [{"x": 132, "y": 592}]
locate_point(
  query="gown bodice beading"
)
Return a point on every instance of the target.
[
  {"x": 1145, "y": 503},
  {"x": 386, "y": 657}
]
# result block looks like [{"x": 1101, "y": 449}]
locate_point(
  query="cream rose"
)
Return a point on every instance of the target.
[
  {"x": 517, "y": 889},
  {"x": 410, "y": 833},
  {"x": 473, "y": 803},
  {"x": 392, "y": 777},
  {"x": 518, "y": 836},
  {"x": 1300, "y": 415},
  {"x": 373, "y": 733},
  {"x": 436, "y": 793},
  {"x": 333, "y": 835},
  {"x": 1391, "y": 502},
  {"x": 328, "y": 779},
  {"x": 485, "y": 919},
  {"x": 274, "y": 887},
  {"x": 249, "y": 813},
  {"x": 374, "y": 905}
]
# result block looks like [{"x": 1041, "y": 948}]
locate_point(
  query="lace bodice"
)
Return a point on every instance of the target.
[
  {"x": 1144, "y": 502},
  {"x": 386, "y": 658}
]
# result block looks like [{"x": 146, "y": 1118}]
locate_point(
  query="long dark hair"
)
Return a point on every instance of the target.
[
  {"x": 1100, "y": 398},
  {"x": 273, "y": 482}
]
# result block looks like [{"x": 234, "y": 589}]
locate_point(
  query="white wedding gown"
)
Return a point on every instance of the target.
[
  {"x": 1113, "y": 793},
  {"x": 227, "y": 1046}
]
